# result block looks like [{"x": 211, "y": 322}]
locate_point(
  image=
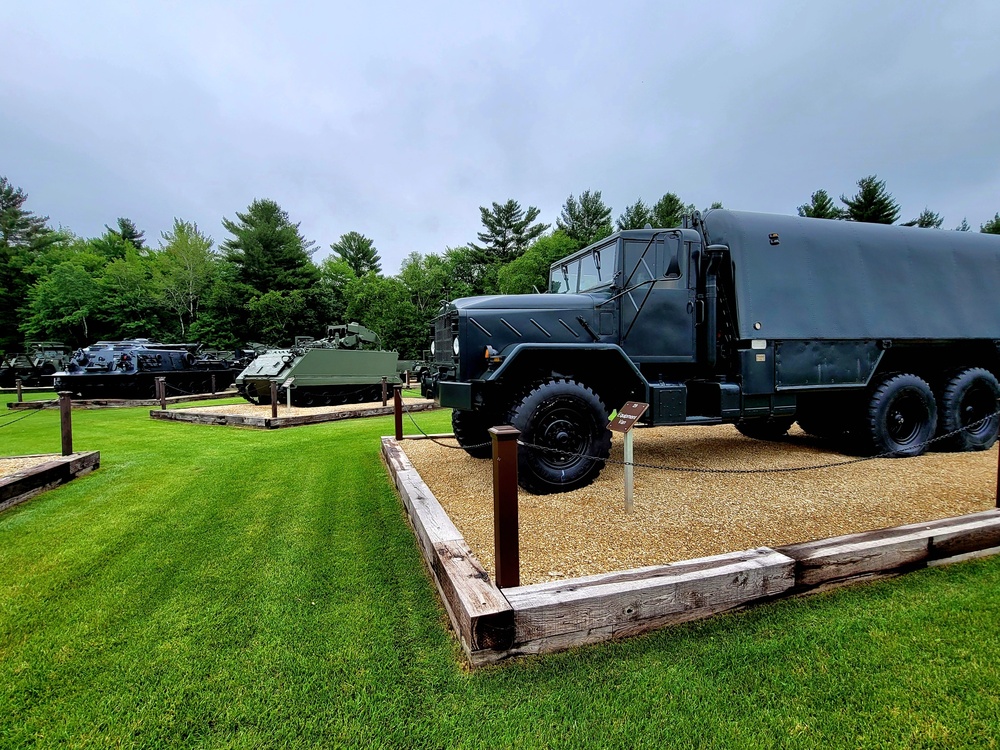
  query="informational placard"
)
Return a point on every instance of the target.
[{"x": 628, "y": 415}]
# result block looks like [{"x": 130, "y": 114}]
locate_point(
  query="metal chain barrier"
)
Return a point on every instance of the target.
[
  {"x": 438, "y": 442},
  {"x": 31, "y": 412},
  {"x": 776, "y": 470}
]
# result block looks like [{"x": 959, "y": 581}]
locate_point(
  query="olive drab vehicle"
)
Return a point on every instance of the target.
[
  {"x": 129, "y": 368},
  {"x": 880, "y": 336},
  {"x": 35, "y": 366},
  {"x": 345, "y": 367}
]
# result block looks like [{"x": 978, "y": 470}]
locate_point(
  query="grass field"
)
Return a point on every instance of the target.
[{"x": 214, "y": 587}]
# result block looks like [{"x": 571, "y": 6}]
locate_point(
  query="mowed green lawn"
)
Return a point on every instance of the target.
[{"x": 214, "y": 587}]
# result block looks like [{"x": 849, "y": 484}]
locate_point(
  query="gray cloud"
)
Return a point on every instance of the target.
[{"x": 400, "y": 120}]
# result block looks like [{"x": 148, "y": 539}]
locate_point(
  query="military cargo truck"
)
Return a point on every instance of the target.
[
  {"x": 882, "y": 336},
  {"x": 35, "y": 366}
]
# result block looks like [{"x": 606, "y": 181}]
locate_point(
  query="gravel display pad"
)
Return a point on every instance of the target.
[
  {"x": 682, "y": 515},
  {"x": 15, "y": 464}
]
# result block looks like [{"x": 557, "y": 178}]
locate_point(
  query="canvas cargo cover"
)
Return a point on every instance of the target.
[{"x": 841, "y": 280}]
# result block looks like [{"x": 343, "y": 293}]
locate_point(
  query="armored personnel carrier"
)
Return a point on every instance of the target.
[
  {"x": 129, "y": 368},
  {"x": 345, "y": 367},
  {"x": 35, "y": 366}
]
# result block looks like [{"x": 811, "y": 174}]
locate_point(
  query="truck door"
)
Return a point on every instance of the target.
[{"x": 658, "y": 305}]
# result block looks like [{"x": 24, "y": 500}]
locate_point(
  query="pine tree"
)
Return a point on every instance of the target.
[
  {"x": 964, "y": 226},
  {"x": 992, "y": 226},
  {"x": 669, "y": 211},
  {"x": 586, "y": 220},
  {"x": 268, "y": 250},
  {"x": 636, "y": 216},
  {"x": 821, "y": 206},
  {"x": 128, "y": 232},
  {"x": 358, "y": 252},
  {"x": 927, "y": 220},
  {"x": 509, "y": 231},
  {"x": 872, "y": 203}
]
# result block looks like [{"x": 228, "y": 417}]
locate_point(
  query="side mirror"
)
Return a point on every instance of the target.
[{"x": 673, "y": 247}]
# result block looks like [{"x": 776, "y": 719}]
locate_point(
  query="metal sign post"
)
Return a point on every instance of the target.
[{"x": 628, "y": 415}]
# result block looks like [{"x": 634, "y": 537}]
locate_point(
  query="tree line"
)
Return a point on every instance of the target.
[{"x": 261, "y": 283}]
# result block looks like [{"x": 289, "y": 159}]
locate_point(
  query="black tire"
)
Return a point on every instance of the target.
[
  {"x": 767, "y": 428},
  {"x": 901, "y": 417},
  {"x": 567, "y": 416},
  {"x": 471, "y": 429},
  {"x": 968, "y": 398}
]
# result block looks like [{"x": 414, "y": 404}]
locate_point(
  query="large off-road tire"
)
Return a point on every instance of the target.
[
  {"x": 471, "y": 429},
  {"x": 970, "y": 397},
  {"x": 767, "y": 428},
  {"x": 566, "y": 416},
  {"x": 901, "y": 417}
]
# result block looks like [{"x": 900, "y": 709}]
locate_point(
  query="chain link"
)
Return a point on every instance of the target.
[
  {"x": 776, "y": 470},
  {"x": 31, "y": 412}
]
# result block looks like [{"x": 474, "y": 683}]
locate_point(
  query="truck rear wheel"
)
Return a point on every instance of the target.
[
  {"x": 471, "y": 429},
  {"x": 569, "y": 419},
  {"x": 969, "y": 400},
  {"x": 901, "y": 417}
]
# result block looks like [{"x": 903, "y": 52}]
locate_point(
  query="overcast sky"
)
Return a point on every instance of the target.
[{"x": 398, "y": 120}]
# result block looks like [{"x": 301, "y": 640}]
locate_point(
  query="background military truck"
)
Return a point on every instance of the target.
[
  {"x": 885, "y": 336},
  {"x": 35, "y": 366}
]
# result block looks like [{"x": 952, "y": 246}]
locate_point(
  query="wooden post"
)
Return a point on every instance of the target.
[
  {"x": 505, "y": 532},
  {"x": 17, "y": 383},
  {"x": 161, "y": 392},
  {"x": 274, "y": 399},
  {"x": 213, "y": 383},
  {"x": 407, "y": 378},
  {"x": 629, "y": 469},
  {"x": 385, "y": 390},
  {"x": 998, "y": 480},
  {"x": 66, "y": 421},
  {"x": 397, "y": 410}
]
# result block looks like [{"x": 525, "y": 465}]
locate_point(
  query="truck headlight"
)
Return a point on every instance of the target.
[
  {"x": 454, "y": 346},
  {"x": 432, "y": 348}
]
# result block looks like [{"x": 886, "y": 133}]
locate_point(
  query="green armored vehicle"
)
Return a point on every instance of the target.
[
  {"x": 345, "y": 367},
  {"x": 880, "y": 336},
  {"x": 35, "y": 366}
]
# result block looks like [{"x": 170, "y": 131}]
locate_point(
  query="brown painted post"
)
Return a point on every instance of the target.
[
  {"x": 20, "y": 398},
  {"x": 385, "y": 390},
  {"x": 407, "y": 378},
  {"x": 274, "y": 399},
  {"x": 505, "y": 533},
  {"x": 998, "y": 480},
  {"x": 161, "y": 391},
  {"x": 213, "y": 383},
  {"x": 66, "y": 421},
  {"x": 397, "y": 410}
]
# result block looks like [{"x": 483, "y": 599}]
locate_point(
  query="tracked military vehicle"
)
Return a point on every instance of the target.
[
  {"x": 882, "y": 337},
  {"x": 345, "y": 367},
  {"x": 129, "y": 368},
  {"x": 35, "y": 366}
]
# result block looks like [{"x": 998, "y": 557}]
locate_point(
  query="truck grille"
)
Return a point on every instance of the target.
[{"x": 445, "y": 331}]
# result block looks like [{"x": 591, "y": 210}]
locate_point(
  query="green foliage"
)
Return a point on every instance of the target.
[
  {"x": 821, "y": 206},
  {"x": 61, "y": 304},
  {"x": 186, "y": 268},
  {"x": 964, "y": 226},
  {"x": 358, "y": 252},
  {"x": 23, "y": 238},
  {"x": 927, "y": 220},
  {"x": 669, "y": 211},
  {"x": 872, "y": 203},
  {"x": 530, "y": 272},
  {"x": 384, "y": 306},
  {"x": 587, "y": 220},
  {"x": 509, "y": 231},
  {"x": 128, "y": 232},
  {"x": 992, "y": 226},
  {"x": 276, "y": 316},
  {"x": 334, "y": 276},
  {"x": 128, "y": 300},
  {"x": 636, "y": 216}
]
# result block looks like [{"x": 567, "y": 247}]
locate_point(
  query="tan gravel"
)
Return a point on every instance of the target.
[
  {"x": 249, "y": 410},
  {"x": 679, "y": 515},
  {"x": 15, "y": 464}
]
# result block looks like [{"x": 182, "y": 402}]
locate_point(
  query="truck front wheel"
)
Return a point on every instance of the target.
[
  {"x": 471, "y": 429},
  {"x": 901, "y": 416},
  {"x": 969, "y": 403},
  {"x": 567, "y": 423}
]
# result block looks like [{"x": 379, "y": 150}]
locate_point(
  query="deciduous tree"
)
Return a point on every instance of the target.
[
  {"x": 187, "y": 266},
  {"x": 530, "y": 272},
  {"x": 992, "y": 226}
]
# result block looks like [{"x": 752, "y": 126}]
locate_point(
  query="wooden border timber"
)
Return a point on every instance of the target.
[
  {"x": 16, "y": 488},
  {"x": 495, "y": 624},
  {"x": 111, "y": 403},
  {"x": 269, "y": 423}
]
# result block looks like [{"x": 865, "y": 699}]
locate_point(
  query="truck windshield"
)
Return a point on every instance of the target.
[
  {"x": 563, "y": 278},
  {"x": 593, "y": 270}
]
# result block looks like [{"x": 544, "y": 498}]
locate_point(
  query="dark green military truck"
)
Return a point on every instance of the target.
[{"x": 885, "y": 336}]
